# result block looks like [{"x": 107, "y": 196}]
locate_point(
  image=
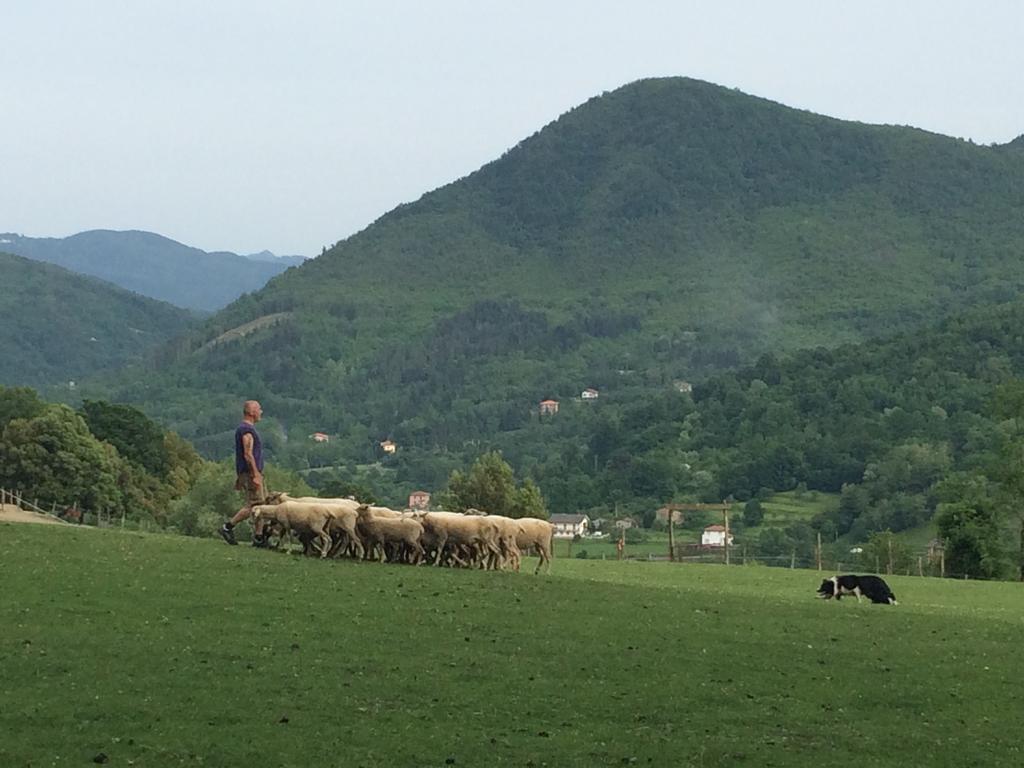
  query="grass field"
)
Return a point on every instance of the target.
[
  {"x": 158, "y": 650},
  {"x": 789, "y": 507}
]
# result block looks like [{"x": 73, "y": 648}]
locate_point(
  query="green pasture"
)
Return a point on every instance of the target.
[
  {"x": 156, "y": 650},
  {"x": 790, "y": 507}
]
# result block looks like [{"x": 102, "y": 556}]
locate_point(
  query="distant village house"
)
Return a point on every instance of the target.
[
  {"x": 388, "y": 447},
  {"x": 548, "y": 407},
  {"x": 682, "y": 386},
  {"x": 419, "y": 500},
  {"x": 589, "y": 394},
  {"x": 714, "y": 536},
  {"x": 568, "y": 526},
  {"x": 320, "y": 437}
]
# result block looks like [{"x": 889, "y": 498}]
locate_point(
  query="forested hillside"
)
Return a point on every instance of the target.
[
  {"x": 57, "y": 326},
  {"x": 155, "y": 266},
  {"x": 665, "y": 231}
]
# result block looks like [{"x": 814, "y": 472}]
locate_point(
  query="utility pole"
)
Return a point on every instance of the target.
[
  {"x": 671, "y": 539},
  {"x": 817, "y": 551},
  {"x": 725, "y": 512}
]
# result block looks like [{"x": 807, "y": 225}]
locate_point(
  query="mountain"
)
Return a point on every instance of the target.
[
  {"x": 664, "y": 231},
  {"x": 59, "y": 326},
  {"x": 273, "y": 258},
  {"x": 155, "y": 266}
]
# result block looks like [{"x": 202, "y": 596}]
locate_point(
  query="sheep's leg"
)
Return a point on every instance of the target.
[{"x": 358, "y": 551}]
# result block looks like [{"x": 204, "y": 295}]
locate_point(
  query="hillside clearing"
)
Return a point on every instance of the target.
[{"x": 155, "y": 649}]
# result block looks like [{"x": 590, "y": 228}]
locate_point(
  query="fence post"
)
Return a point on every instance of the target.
[
  {"x": 792, "y": 560},
  {"x": 817, "y": 551}
]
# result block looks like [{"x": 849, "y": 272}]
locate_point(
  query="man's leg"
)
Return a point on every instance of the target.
[{"x": 227, "y": 530}]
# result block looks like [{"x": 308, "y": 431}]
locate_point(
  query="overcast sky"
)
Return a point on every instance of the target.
[{"x": 290, "y": 125}]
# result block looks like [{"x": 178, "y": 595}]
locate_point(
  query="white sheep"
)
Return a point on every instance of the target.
[
  {"x": 447, "y": 531},
  {"x": 401, "y": 533},
  {"x": 537, "y": 535},
  {"x": 308, "y": 522}
]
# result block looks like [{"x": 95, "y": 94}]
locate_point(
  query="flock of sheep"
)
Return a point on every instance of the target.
[{"x": 334, "y": 527}]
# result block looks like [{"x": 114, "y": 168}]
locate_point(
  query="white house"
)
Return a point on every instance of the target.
[
  {"x": 714, "y": 536},
  {"x": 567, "y": 526},
  {"x": 589, "y": 394}
]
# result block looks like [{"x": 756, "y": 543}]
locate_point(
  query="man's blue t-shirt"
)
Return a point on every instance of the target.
[{"x": 241, "y": 465}]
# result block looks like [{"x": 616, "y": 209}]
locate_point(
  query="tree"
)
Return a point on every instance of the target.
[
  {"x": 136, "y": 437},
  {"x": 886, "y": 552},
  {"x": 753, "y": 513},
  {"x": 1009, "y": 470},
  {"x": 19, "y": 403},
  {"x": 55, "y": 458},
  {"x": 528, "y": 502},
  {"x": 490, "y": 486},
  {"x": 968, "y": 523}
]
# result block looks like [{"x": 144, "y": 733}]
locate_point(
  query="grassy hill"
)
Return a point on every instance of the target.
[
  {"x": 59, "y": 326},
  {"x": 666, "y": 230},
  {"x": 289, "y": 661},
  {"x": 155, "y": 266}
]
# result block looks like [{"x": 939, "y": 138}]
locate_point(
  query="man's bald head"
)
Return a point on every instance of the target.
[{"x": 252, "y": 410}]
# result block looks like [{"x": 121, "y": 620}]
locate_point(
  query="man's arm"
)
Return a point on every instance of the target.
[{"x": 254, "y": 471}]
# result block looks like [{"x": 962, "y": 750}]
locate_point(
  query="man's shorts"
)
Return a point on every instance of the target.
[{"x": 254, "y": 494}]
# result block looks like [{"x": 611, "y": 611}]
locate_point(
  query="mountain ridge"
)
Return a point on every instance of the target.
[
  {"x": 154, "y": 265},
  {"x": 672, "y": 228},
  {"x": 60, "y": 326}
]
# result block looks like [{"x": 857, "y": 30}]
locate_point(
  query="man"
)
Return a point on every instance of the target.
[{"x": 249, "y": 468}]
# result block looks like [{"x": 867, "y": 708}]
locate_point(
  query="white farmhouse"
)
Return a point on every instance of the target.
[
  {"x": 567, "y": 526},
  {"x": 714, "y": 536}
]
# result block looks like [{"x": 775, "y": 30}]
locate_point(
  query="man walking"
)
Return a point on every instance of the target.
[{"x": 249, "y": 469}]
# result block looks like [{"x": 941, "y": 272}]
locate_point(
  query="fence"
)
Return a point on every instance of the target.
[
  {"x": 72, "y": 514},
  {"x": 17, "y": 499}
]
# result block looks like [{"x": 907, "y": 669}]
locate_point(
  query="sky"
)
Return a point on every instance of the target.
[{"x": 288, "y": 126}]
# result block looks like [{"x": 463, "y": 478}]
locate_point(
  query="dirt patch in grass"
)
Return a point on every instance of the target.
[{"x": 9, "y": 513}]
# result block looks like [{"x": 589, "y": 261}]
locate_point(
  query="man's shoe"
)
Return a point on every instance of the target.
[
  {"x": 260, "y": 542},
  {"x": 227, "y": 534}
]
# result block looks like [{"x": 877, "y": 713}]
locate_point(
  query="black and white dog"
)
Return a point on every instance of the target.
[{"x": 872, "y": 587}]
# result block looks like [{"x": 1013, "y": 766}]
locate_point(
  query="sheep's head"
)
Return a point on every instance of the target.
[
  {"x": 276, "y": 497},
  {"x": 475, "y": 511}
]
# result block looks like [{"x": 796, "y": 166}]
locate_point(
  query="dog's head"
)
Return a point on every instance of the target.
[{"x": 827, "y": 589}]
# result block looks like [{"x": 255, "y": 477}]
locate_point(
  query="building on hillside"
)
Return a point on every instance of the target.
[
  {"x": 682, "y": 386},
  {"x": 320, "y": 437},
  {"x": 625, "y": 523},
  {"x": 714, "y": 536},
  {"x": 662, "y": 515},
  {"x": 419, "y": 500},
  {"x": 388, "y": 447},
  {"x": 567, "y": 526},
  {"x": 589, "y": 394},
  {"x": 548, "y": 407}
]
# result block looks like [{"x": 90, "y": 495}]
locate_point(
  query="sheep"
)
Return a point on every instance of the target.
[
  {"x": 279, "y": 497},
  {"x": 448, "y": 529},
  {"x": 404, "y": 533},
  {"x": 536, "y": 534},
  {"x": 344, "y": 533},
  {"x": 307, "y": 521},
  {"x": 508, "y": 532}
]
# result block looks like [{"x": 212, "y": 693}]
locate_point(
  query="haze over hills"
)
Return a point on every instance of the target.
[
  {"x": 663, "y": 231},
  {"x": 59, "y": 326},
  {"x": 155, "y": 266}
]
